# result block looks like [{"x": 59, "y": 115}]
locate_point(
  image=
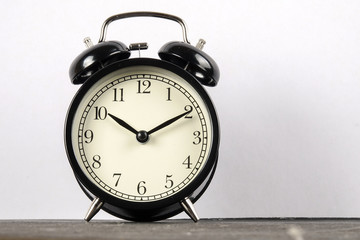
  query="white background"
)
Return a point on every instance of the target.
[{"x": 288, "y": 101}]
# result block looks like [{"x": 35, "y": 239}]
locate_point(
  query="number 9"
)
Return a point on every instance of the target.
[{"x": 89, "y": 135}]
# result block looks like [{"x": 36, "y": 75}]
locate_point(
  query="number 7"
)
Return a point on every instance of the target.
[{"x": 118, "y": 175}]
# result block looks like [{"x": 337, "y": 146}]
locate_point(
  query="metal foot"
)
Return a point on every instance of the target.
[
  {"x": 189, "y": 209},
  {"x": 94, "y": 209}
]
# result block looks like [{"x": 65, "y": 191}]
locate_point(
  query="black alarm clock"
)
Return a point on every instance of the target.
[{"x": 142, "y": 134}]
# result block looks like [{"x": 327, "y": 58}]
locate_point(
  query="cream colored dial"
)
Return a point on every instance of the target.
[{"x": 143, "y": 133}]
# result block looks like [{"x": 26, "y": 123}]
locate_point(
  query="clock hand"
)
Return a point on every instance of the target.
[
  {"x": 123, "y": 124},
  {"x": 167, "y": 123}
]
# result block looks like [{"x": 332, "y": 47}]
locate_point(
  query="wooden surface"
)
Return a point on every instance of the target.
[{"x": 222, "y": 229}]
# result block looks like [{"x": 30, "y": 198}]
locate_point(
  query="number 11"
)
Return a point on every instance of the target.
[{"x": 118, "y": 95}]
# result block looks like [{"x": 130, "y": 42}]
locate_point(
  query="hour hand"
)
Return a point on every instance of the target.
[{"x": 123, "y": 123}]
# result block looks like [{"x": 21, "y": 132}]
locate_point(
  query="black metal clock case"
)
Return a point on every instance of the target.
[{"x": 187, "y": 61}]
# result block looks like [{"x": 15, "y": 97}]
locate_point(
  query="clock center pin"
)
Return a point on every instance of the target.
[{"x": 142, "y": 136}]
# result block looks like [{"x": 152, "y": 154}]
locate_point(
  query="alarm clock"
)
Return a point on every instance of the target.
[{"x": 142, "y": 134}]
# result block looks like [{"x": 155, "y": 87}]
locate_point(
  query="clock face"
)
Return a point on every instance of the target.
[{"x": 140, "y": 134}]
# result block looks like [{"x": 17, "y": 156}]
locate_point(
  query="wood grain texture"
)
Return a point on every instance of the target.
[{"x": 289, "y": 229}]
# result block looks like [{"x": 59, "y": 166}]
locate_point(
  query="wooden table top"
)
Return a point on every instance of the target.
[{"x": 223, "y": 229}]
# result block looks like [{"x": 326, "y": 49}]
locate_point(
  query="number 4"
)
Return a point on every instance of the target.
[{"x": 187, "y": 162}]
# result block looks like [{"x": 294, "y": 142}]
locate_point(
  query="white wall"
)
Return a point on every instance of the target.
[{"x": 288, "y": 101}]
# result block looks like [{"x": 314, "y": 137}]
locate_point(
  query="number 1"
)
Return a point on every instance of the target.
[{"x": 168, "y": 94}]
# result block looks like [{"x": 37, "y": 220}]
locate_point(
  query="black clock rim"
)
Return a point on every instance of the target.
[{"x": 103, "y": 195}]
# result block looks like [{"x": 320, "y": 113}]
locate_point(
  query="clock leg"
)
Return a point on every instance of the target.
[
  {"x": 189, "y": 209},
  {"x": 94, "y": 209}
]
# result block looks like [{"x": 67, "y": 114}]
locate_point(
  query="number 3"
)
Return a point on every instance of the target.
[{"x": 197, "y": 138}]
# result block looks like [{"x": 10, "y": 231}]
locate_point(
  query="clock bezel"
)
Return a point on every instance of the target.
[{"x": 156, "y": 204}]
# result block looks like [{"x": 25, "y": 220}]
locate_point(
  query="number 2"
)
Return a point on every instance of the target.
[{"x": 189, "y": 109}]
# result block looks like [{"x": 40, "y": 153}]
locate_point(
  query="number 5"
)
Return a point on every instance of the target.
[{"x": 169, "y": 182}]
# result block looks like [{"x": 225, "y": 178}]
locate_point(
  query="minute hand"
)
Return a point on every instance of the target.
[{"x": 167, "y": 123}]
